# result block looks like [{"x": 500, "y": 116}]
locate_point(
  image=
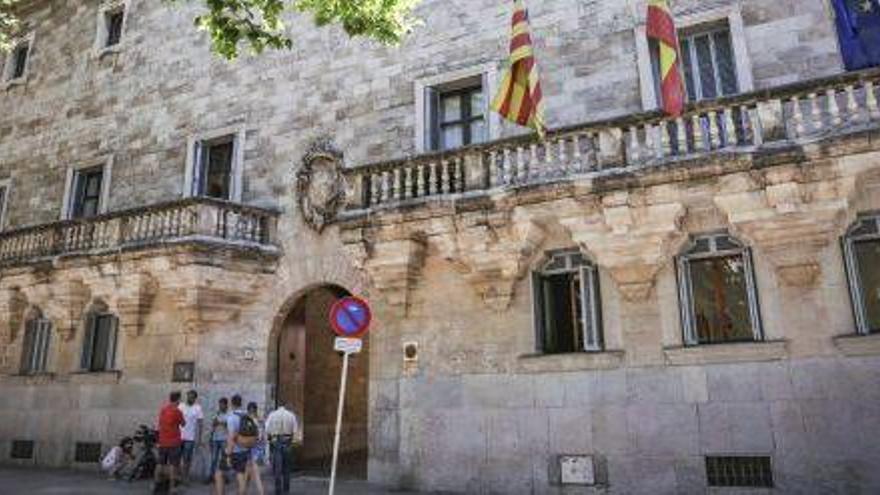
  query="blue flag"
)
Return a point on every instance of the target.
[{"x": 858, "y": 27}]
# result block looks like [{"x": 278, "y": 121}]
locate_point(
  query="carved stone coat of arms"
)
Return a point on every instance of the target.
[{"x": 320, "y": 184}]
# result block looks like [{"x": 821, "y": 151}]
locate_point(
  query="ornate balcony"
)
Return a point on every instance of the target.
[
  {"x": 766, "y": 120},
  {"x": 204, "y": 222}
]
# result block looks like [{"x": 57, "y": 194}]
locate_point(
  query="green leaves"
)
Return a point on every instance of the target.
[{"x": 258, "y": 24}]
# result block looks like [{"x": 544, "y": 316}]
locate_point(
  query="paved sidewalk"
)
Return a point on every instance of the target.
[{"x": 15, "y": 481}]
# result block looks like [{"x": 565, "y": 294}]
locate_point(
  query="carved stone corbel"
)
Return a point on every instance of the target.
[
  {"x": 13, "y": 304},
  {"x": 135, "y": 301},
  {"x": 393, "y": 265},
  {"x": 494, "y": 254},
  {"x": 68, "y": 302},
  {"x": 632, "y": 241}
]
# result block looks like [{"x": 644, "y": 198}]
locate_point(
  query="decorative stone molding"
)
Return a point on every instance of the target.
[
  {"x": 320, "y": 185},
  {"x": 13, "y": 304},
  {"x": 135, "y": 301},
  {"x": 633, "y": 241},
  {"x": 393, "y": 265},
  {"x": 726, "y": 353}
]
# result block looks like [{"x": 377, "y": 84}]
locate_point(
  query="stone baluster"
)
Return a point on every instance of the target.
[
  {"x": 833, "y": 108},
  {"x": 521, "y": 170},
  {"x": 459, "y": 174},
  {"x": 433, "y": 180},
  {"x": 714, "y": 131},
  {"x": 408, "y": 183},
  {"x": 375, "y": 190},
  {"x": 697, "y": 123},
  {"x": 447, "y": 181},
  {"x": 549, "y": 165},
  {"x": 534, "y": 167},
  {"x": 798, "y": 116},
  {"x": 665, "y": 139},
  {"x": 576, "y": 164},
  {"x": 564, "y": 166},
  {"x": 397, "y": 186},
  {"x": 681, "y": 135},
  {"x": 650, "y": 146},
  {"x": 815, "y": 111},
  {"x": 508, "y": 166},
  {"x": 634, "y": 155},
  {"x": 852, "y": 106},
  {"x": 871, "y": 100},
  {"x": 421, "y": 190},
  {"x": 493, "y": 169},
  {"x": 729, "y": 127},
  {"x": 386, "y": 186}
]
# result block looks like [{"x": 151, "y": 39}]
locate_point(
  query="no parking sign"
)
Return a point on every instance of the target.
[{"x": 350, "y": 317}]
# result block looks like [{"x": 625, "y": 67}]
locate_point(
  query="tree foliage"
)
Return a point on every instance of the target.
[{"x": 233, "y": 25}]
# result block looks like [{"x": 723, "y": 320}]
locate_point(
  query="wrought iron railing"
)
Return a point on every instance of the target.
[
  {"x": 202, "y": 220},
  {"x": 786, "y": 114}
]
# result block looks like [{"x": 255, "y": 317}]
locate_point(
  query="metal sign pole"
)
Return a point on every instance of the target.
[{"x": 339, "y": 421}]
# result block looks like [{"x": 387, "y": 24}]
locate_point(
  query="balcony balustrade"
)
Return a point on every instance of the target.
[
  {"x": 194, "y": 220},
  {"x": 775, "y": 117}
]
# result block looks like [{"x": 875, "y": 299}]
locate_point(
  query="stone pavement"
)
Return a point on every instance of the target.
[{"x": 17, "y": 481}]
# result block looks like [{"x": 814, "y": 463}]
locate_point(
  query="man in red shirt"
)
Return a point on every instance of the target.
[{"x": 170, "y": 421}]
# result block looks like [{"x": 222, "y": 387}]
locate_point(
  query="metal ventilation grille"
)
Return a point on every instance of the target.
[
  {"x": 22, "y": 449},
  {"x": 87, "y": 452},
  {"x": 739, "y": 471}
]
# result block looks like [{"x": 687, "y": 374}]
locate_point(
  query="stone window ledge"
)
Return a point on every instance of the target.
[
  {"x": 726, "y": 353},
  {"x": 858, "y": 345},
  {"x": 96, "y": 377},
  {"x": 576, "y": 361},
  {"x": 100, "y": 53},
  {"x": 11, "y": 83},
  {"x": 29, "y": 379}
]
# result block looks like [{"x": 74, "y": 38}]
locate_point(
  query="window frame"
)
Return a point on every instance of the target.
[
  {"x": 696, "y": 79},
  {"x": 36, "y": 345},
  {"x": 80, "y": 194},
  {"x": 25, "y": 42},
  {"x": 466, "y": 121},
  {"x": 424, "y": 86},
  {"x": 684, "y": 278},
  {"x": 73, "y": 173},
  {"x": 590, "y": 300},
  {"x": 90, "y": 341},
  {"x": 106, "y": 11},
  {"x": 856, "y": 290},
  {"x": 195, "y": 158}
]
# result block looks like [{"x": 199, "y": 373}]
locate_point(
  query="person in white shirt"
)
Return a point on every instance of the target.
[
  {"x": 281, "y": 427},
  {"x": 190, "y": 432}
]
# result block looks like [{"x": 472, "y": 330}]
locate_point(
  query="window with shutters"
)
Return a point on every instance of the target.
[
  {"x": 718, "y": 296},
  {"x": 99, "y": 341},
  {"x": 35, "y": 348},
  {"x": 708, "y": 63},
  {"x": 861, "y": 248},
  {"x": 567, "y": 307},
  {"x": 15, "y": 69},
  {"x": 87, "y": 193},
  {"x": 215, "y": 165},
  {"x": 457, "y": 114}
]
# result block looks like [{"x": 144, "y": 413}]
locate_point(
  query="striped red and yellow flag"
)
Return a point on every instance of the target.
[
  {"x": 520, "y": 99},
  {"x": 661, "y": 27}
]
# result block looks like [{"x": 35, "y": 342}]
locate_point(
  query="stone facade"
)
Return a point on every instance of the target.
[{"x": 446, "y": 264}]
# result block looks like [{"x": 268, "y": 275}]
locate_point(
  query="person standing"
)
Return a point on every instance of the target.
[
  {"x": 190, "y": 433},
  {"x": 281, "y": 429},
  {"x": 258, "y": 453},
  {"x": 170, "y": 422},
  {"x": 242, "y": 435},
  {"x": 218, "y": 433}
]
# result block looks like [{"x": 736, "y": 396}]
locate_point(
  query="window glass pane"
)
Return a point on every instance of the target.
[
  {"x": 478, "y": 131},
  {"x": 20, "y": 55},
  {"x": 560, "y": 313},
  {"x": 219, "y": 164},
  {"x": 450, "y": 108},
  {"x": 687, "y": 62},
  {"x": 476, "y": 103},
  {"x": 704, "y": 67},
  {"x": 114, "y": 27},
  {"x": 726, "y": 63},
  {"x": 452, "y": 137},
  {"x": 867, "y": 255},
  {"x": 103, "y": 326},
  {"x": 720, "y": 299}
]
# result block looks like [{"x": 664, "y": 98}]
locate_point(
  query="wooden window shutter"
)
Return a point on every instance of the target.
[{"x": 88, "y": 343}]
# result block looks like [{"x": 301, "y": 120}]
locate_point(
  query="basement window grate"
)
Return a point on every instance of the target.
[
  {"x": 87, "y": 452},
  {"x": 22, "y": 449},
  {"x": 739, "y": 471}
]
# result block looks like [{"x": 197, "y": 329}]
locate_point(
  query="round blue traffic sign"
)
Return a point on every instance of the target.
[{"x": 350, "y": 317}]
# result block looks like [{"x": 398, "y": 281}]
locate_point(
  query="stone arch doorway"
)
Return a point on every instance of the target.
[{"x": 306, "y": 373}]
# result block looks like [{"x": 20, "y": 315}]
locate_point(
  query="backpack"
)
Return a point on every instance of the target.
[{"x": 248, "y": 432}]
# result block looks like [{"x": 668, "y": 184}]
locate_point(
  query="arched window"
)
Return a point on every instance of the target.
[
  {"x": 861, "y": 248},
  {"x": 719, "y": 301},
  {"x": 35, "y": 349},
  {"x": 99, "y": 341},
  {"x": 567, "y": 310}
]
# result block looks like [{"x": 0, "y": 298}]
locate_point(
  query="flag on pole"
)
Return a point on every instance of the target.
[
  {"x": 858, "y": 28},
  {"x": 661, "y": 27},
  {"x": 520, "y": 99}
]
